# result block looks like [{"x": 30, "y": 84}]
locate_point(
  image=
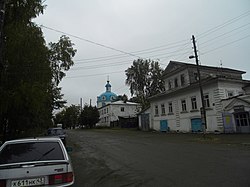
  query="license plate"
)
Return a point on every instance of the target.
[{"x": 28, "y": 182}]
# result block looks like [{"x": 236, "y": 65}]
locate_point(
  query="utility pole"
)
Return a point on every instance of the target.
[{"x": 203, "y": 109}]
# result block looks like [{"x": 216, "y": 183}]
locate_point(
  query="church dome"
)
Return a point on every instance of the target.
[{"x": 106, "y": 97}]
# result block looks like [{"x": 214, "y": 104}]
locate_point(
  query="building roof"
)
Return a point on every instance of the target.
[
  {"x": 195, "y": 85},
  {"x": 107, "y": 96},
  {"x": 122, "y": 103},
  {"x": 175, "y": 66},
  {"x": 236, "y": 100}
]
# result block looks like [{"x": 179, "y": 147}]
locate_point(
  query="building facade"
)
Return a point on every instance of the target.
[
  {"x": 110, "y": 113},
  {"x": 178, "y": 108}
]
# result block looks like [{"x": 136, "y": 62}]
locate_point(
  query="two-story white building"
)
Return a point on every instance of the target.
[
  {"x": 178, "y": 107},
  {"x": 110, "y": 113},
  {"x": 113, "y": 111}
]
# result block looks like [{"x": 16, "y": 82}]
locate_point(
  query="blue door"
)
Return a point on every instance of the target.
[
  {"x": 228, "y": 122},
  {"x": 196, "y": 125},
  {"x": 163, "y": 125}
]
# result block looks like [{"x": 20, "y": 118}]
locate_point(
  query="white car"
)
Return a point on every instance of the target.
[{"x": 35, "y": 162}]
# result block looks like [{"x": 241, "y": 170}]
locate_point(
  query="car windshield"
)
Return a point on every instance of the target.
[{"x": 32, "y": 151}]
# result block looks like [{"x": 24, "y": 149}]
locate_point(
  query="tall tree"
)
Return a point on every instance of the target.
[
  {"x": 138, "y": 79},
  {"x": 144, "y": 79},
  {"x": 156, "y": 81},
  {"x": 89, "y": 116},
  {"x": 68, "y": 117},
  {"x": 29, "y": 85},
  {"x": 123, "y": 98},
  {"x": 26, "y": 74},
  {"x": 60, "y": 57}
]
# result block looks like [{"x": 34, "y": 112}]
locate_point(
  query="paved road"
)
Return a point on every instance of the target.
[{"x": 129, "y": 158}]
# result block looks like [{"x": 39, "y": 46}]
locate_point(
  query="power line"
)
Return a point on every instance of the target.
[
  {"x": 150, "y": 50},
  {"x": 214, "y": 29},
  {"x": 223, "y": 35},
  {"x": 126, "y": 61},
  {"x": 91, "y": 75},
  {"x": 92, "y": 42},
  {"x": 102, "y": 66},
  {"x": 229, "y": 43},
  {"x": 139, "y": 52}
]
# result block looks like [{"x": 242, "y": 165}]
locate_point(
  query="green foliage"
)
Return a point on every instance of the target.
[
  {"x": 69, "y": 116},
  {"x": 22, "y": 11},
  {"x": 60, "y": 56},
  {"x": 123, "y": 98},
  {"x": 89, "y": 116},
  {"x": 144, "y": 79},
  {"x": 156, "y": 82},
  {"x": 29, "y": 89}
]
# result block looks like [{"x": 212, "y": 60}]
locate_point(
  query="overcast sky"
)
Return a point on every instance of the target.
[{"x": 156, "y": 29}]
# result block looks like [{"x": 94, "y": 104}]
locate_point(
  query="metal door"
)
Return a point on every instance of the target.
[
  {"x": 145, "y": 122},
  {"x": 196, "y": 125},
  {"x": 163, "y": 125},
  {"x": 228, "y": 122}
]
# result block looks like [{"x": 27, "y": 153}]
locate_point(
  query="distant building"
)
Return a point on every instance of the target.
[
  {"x": 226, "y": 95},
  {"x": 119, "y": 113},
  {"x": 106, "y": 97},
  {"x": 116, "y": 113}
]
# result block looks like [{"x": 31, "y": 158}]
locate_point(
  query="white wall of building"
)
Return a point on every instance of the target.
[
  {"x": 112, "y": 111},
  {"x": 181, "y": 121}
]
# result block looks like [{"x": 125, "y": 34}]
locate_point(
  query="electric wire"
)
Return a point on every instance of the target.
[
  {"x": 91, "y": 75},
  {"x": 152, "y": 50},
  {"x": 229, "y": 43},
  {"x": 224, "y": 34},
  {"x": 90, "y": 41},
  {"x": 182, "y": 42},
  {"x": 214, "y": 29}
]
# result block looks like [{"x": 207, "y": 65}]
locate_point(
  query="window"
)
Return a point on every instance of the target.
[
  {"x": 242, "y": 119},
  {"x": 196, "y": 78},
  {"x": 206, "y": 101},
  {"x": 170, "y": 107},
  {"x": 240, "y": 93},
  {"x": 194, "y": 103},
  {"x": 156, "y": 110},
  {"x": 112, "y": 98},
  {"x": 169, "y": 85},
  {"x": 122, "y": 109},
  {"x": 230, "y": 93},
  {"x": 31, "y": 151},
  {"x": 103, "y": 98},
  {"x": 183, "y": 105},
  {"x": 175, "y": 82},
  {"x": 163, "y": 112},
  {"x": 182, "y": 79},
  {"x": 107, "y": 110}
]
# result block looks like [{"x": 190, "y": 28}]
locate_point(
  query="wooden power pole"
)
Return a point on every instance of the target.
[{"x": 203, "y": 107}]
